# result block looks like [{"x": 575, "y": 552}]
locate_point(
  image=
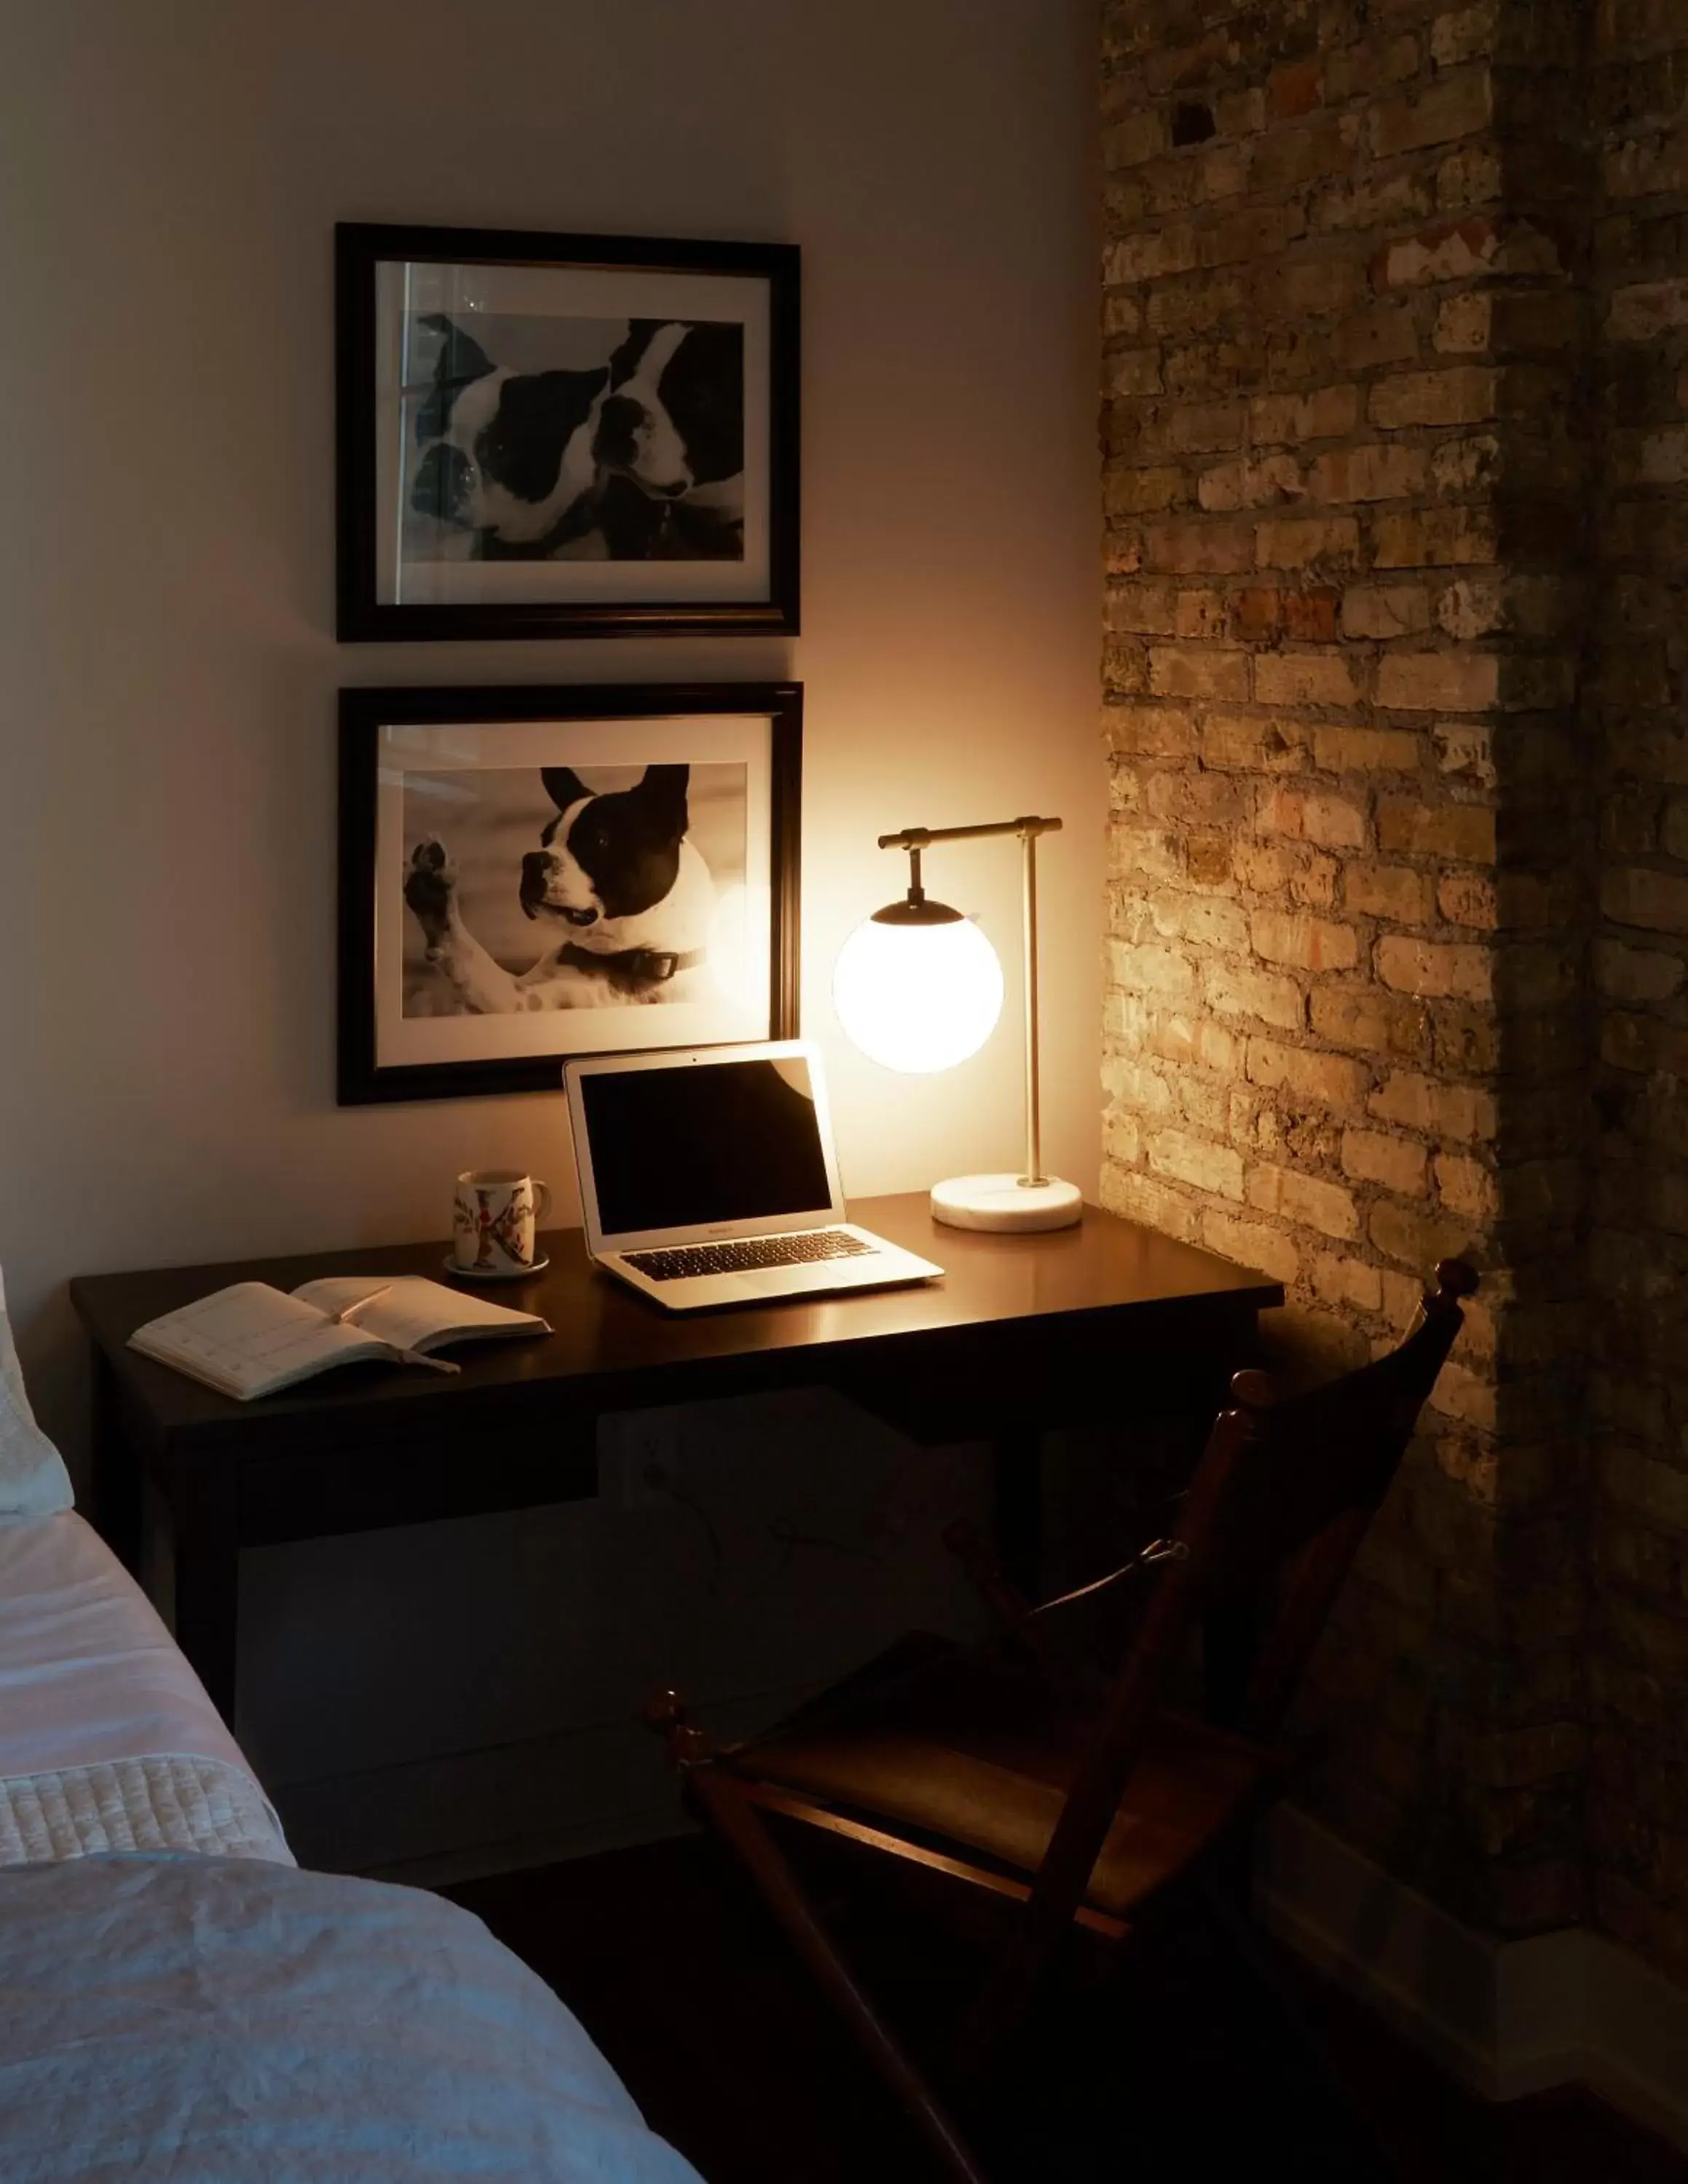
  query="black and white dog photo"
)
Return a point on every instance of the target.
[
  {"x": 623, "y": 900},
  {"x": 541, "y": 439}
]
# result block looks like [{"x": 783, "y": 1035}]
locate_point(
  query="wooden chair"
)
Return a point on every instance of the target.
[{"x": 1083, "y": 1801}]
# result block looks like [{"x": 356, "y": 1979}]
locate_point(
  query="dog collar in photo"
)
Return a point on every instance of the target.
[{"x": 653, "y": 967}]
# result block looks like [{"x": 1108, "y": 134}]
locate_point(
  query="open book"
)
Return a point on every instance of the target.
[{"x": 251, "y": 1340}]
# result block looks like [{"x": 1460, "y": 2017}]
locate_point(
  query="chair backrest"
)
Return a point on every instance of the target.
[
  {"x": 1309, "y": 1474},
  {"x": 1280, "y": 1502}
]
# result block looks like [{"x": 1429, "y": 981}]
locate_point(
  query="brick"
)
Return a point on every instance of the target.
[
  {"x": 1186, "y": 672},
  {"x": 1251, "y": 484},
  {"x": 1252, "y": 233},
  {"x": 1309, "y": 615},
  {"x": 1432, "y": 970},
  {"x": 1334, "y": 1079},
  {"x": 1364, "y": 1020},
  {"x": 1382, "y": 333},
  {"x": 1268, "y": 998},
  {"x": 1141, "y": 1197},
  {"x": 1462, "y": 394},
  {"x": 1306, "y": 943},
  {"x": 1200, "y": 614},
  {"x": 1194, "y": 1161},
  {"x": 1194, "y": 1042},
  {"x": 1172, "y": 247},
  {"x": 1134, "y": 372},
  {"x": 1252, "y": 1243},
  {"x": 1457, "y": 251},
  {"x": 1195, "y": 548},
  {"x": 1439, "y": 681},
  {"x": 1209, "y": 921},
  {"x": 1142, "y": 492},
  {"x": 1460, "y": 107},
  {"x": 1464, "y": 1112},
  {"x": 1434, "y": 537},
  {"x": 1647, "y": 308},
  {"x": 1465, "y": 752},
  {"x": 1141, "y": 135},
  {"x": 1304, "y": 678},
  {"x": 1143, "y": 730},
  {"x": 1634, "y": 895},
  {"x": 1305, "y": 1199},
  {"x": 1248, "y": 742},
  {"x": 1462, "y": 832},
  {"x": 1380, "y": 472},
  {"x": 1148, "y": 970},
  {"x": 1637, "y": 974},
  {"x": 1336, "y": 1280},
  {"x": 1469, "y": 899},
  {"x": 1307, "y": 814},
  {"x": 1305, "y": 875},
  {"x": 1465, "y": 323},
  {"x": 1365, "y": 750},
  {"x": 1302, "y": 541},
  {"x": 1472, "y": 175},
  {"x": 1255, "y": 612},
  {"x": 1396, "y": 1163},
  {"x": 1331, "y": 414},
  {"x": 1466, "y": 1186},
  {"x": 1415, "y": 1235},
  {"x": 1385, "y": 610},
  {"x": 1392, "y": 891}
]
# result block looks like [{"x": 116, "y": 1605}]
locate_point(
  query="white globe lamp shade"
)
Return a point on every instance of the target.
[{"x": 917, "y": 991}]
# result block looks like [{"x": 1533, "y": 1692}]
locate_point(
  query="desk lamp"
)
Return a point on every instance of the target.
[{"x": 919, "y": 988}]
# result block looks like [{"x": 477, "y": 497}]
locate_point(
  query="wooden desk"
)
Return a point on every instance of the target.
[{"x": 1022, "y": 1333}]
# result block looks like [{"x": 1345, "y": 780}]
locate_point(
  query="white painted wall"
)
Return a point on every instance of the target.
[{"x": 173, "y": 173}]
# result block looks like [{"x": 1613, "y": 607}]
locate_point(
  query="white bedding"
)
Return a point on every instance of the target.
[
  {"x": 108, "y": 1741},
  {"x": 200, "y": 2020}
]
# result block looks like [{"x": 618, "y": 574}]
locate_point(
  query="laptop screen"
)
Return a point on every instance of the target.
[{"x": 704, "y": 1142}]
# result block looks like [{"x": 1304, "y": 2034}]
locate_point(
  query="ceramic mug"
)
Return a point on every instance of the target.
[{"x": 493, "y": 1221}]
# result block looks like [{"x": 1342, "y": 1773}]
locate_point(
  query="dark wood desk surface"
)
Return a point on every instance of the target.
[
  {"x": 613, "y": 1342},
  {"x": 1021, "y": 1332}
]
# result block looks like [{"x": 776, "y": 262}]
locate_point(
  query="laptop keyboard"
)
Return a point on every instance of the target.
[{"x": 804, "y": 1249}]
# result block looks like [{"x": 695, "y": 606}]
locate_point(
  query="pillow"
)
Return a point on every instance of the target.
[{"x": 33, "y": 1480}]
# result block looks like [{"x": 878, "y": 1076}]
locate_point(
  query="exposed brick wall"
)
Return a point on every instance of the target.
[
  {"x": 1346, "y": 488},
  {"x": 1639, "y": 706}
]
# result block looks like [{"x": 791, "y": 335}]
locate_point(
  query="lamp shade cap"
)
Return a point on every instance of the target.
[{"x": 908, "y": 911}]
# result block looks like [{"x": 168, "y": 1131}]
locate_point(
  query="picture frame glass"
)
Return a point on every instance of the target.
[
  {"x": 554, "y": 435},
  {"x": 561, "y": 886}
]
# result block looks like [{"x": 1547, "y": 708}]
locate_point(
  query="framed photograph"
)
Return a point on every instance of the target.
[
  {"x": 564, "y": 435},
  {"x": 529, "y": 874}
]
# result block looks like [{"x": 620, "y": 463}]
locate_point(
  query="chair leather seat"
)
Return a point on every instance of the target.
[{"x": 978, "y": 1753}]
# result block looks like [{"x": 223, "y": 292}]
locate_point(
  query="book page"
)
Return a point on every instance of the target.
[
  {"x": 249, "y": 1338},
  {"x": 415, "y": 1314}
]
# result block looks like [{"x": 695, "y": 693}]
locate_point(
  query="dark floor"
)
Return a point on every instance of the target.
[{"x": 1183, "y": 2065}]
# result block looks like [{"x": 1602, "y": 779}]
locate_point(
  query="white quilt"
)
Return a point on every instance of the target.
[
  {"x": 108, "y": 1741},
  {"x": 207, "y": 2020}
]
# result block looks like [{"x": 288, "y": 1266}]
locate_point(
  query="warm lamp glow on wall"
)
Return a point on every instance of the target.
[{"x": 919, "y": 988}]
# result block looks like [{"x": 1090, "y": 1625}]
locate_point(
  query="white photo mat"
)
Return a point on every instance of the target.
[{"x": 740, "y": 972}]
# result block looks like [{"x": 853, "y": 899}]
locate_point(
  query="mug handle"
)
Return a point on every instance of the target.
[{"x": 542, "y": 1193}]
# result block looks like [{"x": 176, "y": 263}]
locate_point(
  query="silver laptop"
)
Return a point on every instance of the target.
[{"x": 710, "y": 1178}]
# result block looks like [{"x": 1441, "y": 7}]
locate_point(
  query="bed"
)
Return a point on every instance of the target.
[{"x": 179, "y": 2003}]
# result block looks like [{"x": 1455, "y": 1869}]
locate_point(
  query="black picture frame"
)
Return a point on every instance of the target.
[
  {"x": 364, "y": 615},
  {"x": 363, "y": 1075}
]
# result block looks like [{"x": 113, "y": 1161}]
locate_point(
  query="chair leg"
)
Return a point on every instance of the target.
[{"x": 713, "y": 1788}]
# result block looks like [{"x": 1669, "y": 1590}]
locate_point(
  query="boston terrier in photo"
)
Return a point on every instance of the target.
[
  {"x": 628, "y": 901},
  {"x": 669, "y": 443},
  {"x": 508, "y": 454}
]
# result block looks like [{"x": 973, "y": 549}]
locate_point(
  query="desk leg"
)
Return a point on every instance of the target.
[
  {"x": 116, "y": 1478},
  {"x": 207, "y": 1583},
  {"x": 1017, "y": 1475}
]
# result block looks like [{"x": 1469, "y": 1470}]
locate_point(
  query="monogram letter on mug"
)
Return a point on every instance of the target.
[{"x": 493, "y": 1224}]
